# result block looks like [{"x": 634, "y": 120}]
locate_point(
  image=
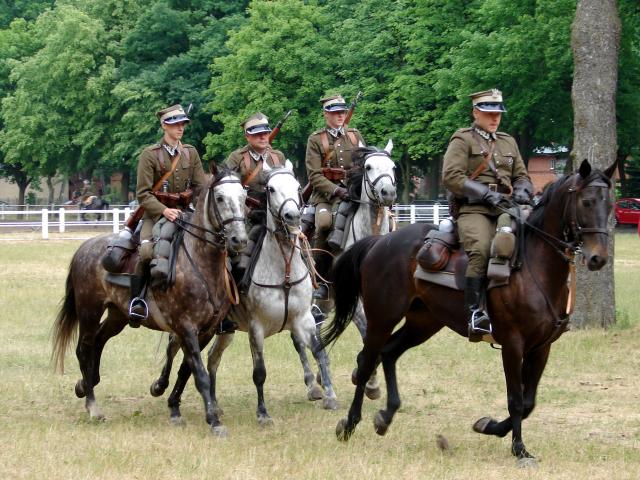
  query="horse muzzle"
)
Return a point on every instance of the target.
[{"x": 388, "y": 195}]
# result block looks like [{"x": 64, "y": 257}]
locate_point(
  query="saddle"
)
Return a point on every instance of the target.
[{"x": 442, "y": 261}]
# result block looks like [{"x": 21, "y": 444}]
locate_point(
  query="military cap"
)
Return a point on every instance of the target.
[
  {"x": 334, "y": 103},
  {"x": 173, "y": 114},
  {"x": 488, "y": 101},
  {"x": 256, "y": 123}
]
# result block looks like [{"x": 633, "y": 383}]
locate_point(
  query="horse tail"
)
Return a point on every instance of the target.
[
  {"x": 64, "y": 327},
  {"x": 346, "y": 283}
]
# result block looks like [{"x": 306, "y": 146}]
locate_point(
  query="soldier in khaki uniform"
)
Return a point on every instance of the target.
[
  {"x": 482, "y": 167},
  {"x": 329, "y": 148},
  {"x": 153, "y": 163}
]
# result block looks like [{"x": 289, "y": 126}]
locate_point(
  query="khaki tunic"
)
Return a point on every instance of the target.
[
  {"x": 341, "y": 150},
  {"x": 188, "y": 173},
  {"x": 235, "y": 161},
  {"x": 477, "y": 221}
]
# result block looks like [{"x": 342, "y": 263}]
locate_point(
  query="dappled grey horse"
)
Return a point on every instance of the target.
[
  {"x": 278, "y": 298},
  {"x": 191, "y": 308}
]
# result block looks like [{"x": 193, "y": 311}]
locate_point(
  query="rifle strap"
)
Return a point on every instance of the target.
[
  {"x": 487, "y": 157},
  {"x": 253, "y": 173},
  {"x": 158, "y": 185},
  {"x": 326, "y": 152}
]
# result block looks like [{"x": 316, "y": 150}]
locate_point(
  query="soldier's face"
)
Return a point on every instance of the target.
[
  {"x": 173, "y": 133},
  {"x": 488, "y": 121},
  {"x": 258, "y": 141},
  {"x": 335, "y": 119}
]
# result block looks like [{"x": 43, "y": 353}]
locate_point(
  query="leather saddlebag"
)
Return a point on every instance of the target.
[{"x": 434, "y": 254}]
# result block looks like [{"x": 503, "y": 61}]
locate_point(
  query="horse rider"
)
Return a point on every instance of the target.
[
  {"x": 248, "y": 162},
  {"x": 187, "y": 174},
  {"x": 328, "y": 158},
  {"x": 482, "y": 169}
]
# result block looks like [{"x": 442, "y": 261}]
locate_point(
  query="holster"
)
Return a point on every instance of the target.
[
  {"x": 334, "y": 174},
  {"x": 434, "y": 254},
  {"x": 174, "y": 200}
]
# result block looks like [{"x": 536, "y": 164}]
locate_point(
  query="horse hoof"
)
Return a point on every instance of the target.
[
  {"x": 219, "y": 431},
  {"x": 79, "y": 388},
  {"x": 157, "y": 389},
  {"x": 341, "y": 430},
  {"x": 177, "y": 422},
  {"x": 527, "y": 462},
  {"x": 314, "y": 393},
  {"x": 372, "y": 393},
  {"x": 380, "y": 424},
  {"x": 330, "y": 403},
  {"x": 265, "y": 421},
  {"x": 481, "y": 425}
]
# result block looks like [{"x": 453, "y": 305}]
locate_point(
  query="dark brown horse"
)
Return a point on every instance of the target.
[
  {"x": 191, "y": 308},
  {"x": 527, "y": 315}
]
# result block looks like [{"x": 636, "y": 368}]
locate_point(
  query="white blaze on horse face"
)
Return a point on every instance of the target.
[
  {"x": 228, "y": 198},
  {"x": 380, "y": 172},
  {"x": 284, "y": 199}
]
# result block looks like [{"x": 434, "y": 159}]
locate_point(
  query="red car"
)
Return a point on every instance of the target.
[{"x": 628, "y": 211}]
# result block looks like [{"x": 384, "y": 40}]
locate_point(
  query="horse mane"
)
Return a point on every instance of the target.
[
  {"x": 354, "y": 177},
  {"x": 551, "y": 189}
]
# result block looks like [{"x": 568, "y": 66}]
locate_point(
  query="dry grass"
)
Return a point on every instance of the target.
[{"x": 587, "y": 423}]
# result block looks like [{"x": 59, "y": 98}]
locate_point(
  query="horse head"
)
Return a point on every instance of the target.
[
  {"x": 224, "y": 201},
  {"x": 283, "y": 197},
  {"x": 378, "y": 175}
]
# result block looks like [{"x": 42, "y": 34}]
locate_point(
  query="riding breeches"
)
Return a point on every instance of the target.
[
  {"x": 476, "y": 232},
  {"x": 146, "y": 246}
]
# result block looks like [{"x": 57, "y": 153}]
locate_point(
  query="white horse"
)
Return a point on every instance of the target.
[
  {"x": 372, "y": 185},
  {"x": 278, "y": 298}
]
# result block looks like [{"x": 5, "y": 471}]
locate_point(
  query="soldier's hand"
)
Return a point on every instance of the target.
[
  {"x": 494, "y": 198},
  {"x": 171, "y": 214},
  {"x": 341, "y": 192},
  {"x": 521, "y": 197}
]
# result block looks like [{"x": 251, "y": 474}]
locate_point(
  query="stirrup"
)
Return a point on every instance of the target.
[
  {"x": 318, "y": 314},
  {"x": 136, "y": 318},
  {"x": 478, "y": 318}
]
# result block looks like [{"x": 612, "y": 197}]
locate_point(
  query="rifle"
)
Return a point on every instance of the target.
[
  {"x": 308, "y": 189},
  {"x": 276, "y": 129}
]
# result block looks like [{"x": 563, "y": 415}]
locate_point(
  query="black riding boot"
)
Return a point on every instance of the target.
[
  {"x": 323, "y": 267},
  {"x": 479, "y": 321},
  {"x": 138, "y": 309}
]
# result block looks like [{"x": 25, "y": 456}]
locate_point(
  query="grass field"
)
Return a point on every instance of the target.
[{"x": 587, "y": 424}]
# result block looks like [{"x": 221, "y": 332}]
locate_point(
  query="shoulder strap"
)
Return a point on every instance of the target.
[
  {"x": 253, "y": 174},
  {"x": 352, "y": 137},
  {"x": 158, "y": 185},
  {"x": 486, "y": 158},
  {"x": 274, "y": 158},
  {"x": 324, "y": 139}
]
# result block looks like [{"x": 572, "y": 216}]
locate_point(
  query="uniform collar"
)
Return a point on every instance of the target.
[
  {"x": 336, "y": 132},
  {"x": 171, "y": 150},
  {"x": 483, "y": 133},
  {"x": 257, "y": 157}
]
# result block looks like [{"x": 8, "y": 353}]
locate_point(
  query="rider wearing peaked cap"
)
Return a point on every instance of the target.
[
  {"x": 168, "y": 155},
  {"x": 482, "y": 167}
]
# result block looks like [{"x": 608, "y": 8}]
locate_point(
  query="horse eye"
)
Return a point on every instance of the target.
[
  {"x": 368, "y": 167},
  {"x": 271, "y": 189},
  {"x": 220, "y": 199},
  {"x": 586, "y": 202}
]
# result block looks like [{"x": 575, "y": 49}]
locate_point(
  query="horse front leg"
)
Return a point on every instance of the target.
[
  {"x": 512, "y": 363},
  {"x": 314, "y": 392},
  {"x": 256, "y": 340},
  {"x": 330, "y": 400},
  {"x": 191, "y": 349},
  {"x": 213, "y": 362},
  {"x": 159, "y": 386}
]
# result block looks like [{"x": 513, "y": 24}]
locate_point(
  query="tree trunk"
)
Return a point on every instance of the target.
[
  {"x": 622, "y": 159},
  {"x": 595, "y": 41},
  {"x": 50, "y": 191}
]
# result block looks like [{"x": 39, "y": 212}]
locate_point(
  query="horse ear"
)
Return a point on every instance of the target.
[
  {"x": 213, "y": 167},
  {"x": 360, "y": 144},
  {"x": 288, "y": 165},
  {"x": 389, "y": 147},
  {"x": 585, "y": 169},
  {"x": 609, "y": 172}
]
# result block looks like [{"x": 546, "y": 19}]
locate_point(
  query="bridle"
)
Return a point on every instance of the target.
[
  {"x": 277, "y": 215},
  {"x": 370, "y": 190}
]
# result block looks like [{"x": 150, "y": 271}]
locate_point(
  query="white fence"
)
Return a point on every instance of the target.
[{"x": 60, "y": 219}]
